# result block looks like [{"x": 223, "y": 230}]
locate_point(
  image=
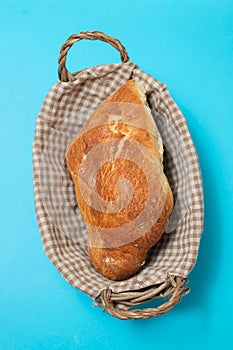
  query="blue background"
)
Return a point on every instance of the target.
[{"x": 189, "y": 46}]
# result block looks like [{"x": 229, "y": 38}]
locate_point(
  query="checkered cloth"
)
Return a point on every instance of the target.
[{"x": 66, "y": 108}]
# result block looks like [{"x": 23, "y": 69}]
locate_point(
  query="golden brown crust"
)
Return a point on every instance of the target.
[
  {"x": 118, "y": 262},
  {"x": 128, "y": 93},
  {"x": 122, "y": 262}
]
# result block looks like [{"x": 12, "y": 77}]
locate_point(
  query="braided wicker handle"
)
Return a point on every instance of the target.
[
  {"x": 63, "y": 73},
  {"x": 173, "y": 289}
]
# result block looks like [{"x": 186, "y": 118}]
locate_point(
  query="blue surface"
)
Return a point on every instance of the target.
[{"x": 189, "y": 46}]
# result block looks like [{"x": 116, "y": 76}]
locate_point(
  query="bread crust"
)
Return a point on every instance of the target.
[{"x": 120, "y": 261}]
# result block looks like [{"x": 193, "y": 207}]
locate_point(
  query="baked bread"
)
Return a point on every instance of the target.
[{"x": 116, "y": 164}]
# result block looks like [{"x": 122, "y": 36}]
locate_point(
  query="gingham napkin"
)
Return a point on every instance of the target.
[{"x": 63, "y": 113}]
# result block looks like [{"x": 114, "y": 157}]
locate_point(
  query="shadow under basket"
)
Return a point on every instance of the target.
[{"x": 68, "y": 105}]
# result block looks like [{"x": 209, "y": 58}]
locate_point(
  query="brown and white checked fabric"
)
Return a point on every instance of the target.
[{"x": 66, "y": 108}]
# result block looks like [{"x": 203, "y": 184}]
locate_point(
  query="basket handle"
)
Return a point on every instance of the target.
[
  {"x": 172, "y": 288},
  {"x": 63, "y": 73}
]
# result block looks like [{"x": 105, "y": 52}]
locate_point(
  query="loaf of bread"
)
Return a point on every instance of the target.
[{"x": 116, "y": 164}]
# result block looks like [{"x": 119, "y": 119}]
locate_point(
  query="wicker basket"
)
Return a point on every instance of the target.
[{"x": 174, "y": 256}]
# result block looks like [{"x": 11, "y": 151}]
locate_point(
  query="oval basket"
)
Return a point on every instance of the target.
[{"x": 67, "y": 106}]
